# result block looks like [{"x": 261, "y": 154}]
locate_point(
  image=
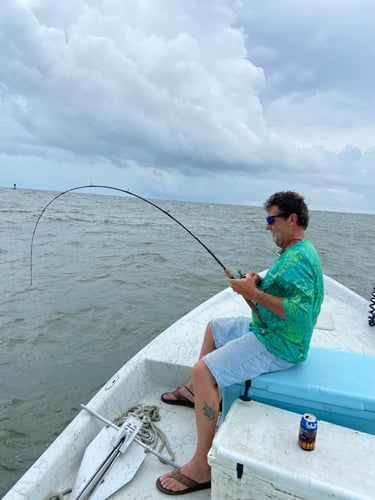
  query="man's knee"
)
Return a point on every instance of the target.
[{"x": 201, "y": 372}]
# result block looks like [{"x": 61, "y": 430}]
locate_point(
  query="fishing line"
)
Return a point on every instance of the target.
[{"x": 126, "y": 191}]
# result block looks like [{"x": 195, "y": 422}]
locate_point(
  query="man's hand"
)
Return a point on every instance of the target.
[{"x": 247, "y": 287}]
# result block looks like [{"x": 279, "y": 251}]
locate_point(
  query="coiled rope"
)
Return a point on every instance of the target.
[{"x": 149, "y": 433}]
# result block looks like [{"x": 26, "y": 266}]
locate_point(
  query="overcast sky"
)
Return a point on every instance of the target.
[{"x": 207, "y": 100}]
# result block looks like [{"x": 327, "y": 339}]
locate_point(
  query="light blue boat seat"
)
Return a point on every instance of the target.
[{"x": 336, "y": 386}]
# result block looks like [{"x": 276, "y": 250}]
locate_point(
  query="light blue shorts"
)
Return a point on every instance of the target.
[{"x": 239, "y": 355}]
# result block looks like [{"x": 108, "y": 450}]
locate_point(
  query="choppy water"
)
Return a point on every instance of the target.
[{"x": 109, "y": 274}]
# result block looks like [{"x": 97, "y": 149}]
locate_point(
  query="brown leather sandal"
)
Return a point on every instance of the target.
[
  {"x": 190, "y": 484},
  {"x": 180, "y": 399}
]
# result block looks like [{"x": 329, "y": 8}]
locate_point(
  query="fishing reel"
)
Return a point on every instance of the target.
[
  {"x": 243, "y": 275},
  {"x": 371, "y": 317}
]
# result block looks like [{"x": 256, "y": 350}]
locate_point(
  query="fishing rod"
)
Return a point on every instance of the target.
[{"x": 228, "y": 273}]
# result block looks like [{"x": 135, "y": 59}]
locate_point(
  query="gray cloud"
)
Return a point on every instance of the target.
[{"x": 273, "y": 94}]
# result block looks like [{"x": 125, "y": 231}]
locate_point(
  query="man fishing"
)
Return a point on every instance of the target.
[{"x": 287, "y": 302}]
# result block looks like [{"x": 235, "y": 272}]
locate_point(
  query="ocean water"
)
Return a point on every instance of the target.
[{"x": 109, "y": 274}]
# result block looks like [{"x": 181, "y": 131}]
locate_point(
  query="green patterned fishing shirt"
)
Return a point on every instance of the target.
[{"x": 296, "y": 275}]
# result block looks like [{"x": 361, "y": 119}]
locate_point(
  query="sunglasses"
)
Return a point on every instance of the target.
[{"x": 271, "y": 218}]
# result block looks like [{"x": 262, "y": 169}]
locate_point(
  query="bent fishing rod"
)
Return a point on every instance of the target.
[{"x": 228, "y": 273}]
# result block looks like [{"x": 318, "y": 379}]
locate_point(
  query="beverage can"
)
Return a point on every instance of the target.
[{"x": 307, "y": 432}]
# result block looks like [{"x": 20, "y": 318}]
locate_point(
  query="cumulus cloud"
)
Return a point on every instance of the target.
[
  {"x": 171, "y": 94},
  {"x": 123, "y": 90}
]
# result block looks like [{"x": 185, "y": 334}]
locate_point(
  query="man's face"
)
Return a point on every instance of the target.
[{"x": 278, "y": 225}]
